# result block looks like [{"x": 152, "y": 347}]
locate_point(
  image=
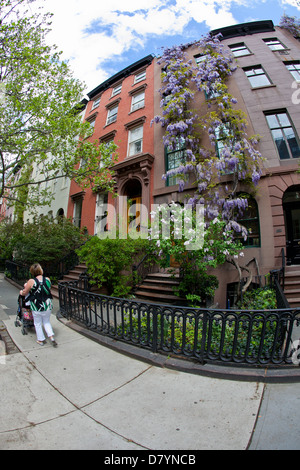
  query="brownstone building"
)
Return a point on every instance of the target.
[
  {"x": 120, "y": 110},
  {"x": 265, "y": 86}
]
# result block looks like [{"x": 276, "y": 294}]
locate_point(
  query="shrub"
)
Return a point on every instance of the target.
[
  {"x": 258, "y": 299},
  {"x": 44, "y": 240},
  {"x": 109, "y": 262}
]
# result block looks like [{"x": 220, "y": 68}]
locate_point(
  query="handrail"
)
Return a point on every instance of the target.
[{"x": 140, "y": 271}]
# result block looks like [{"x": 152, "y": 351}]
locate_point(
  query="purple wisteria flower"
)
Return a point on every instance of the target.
[{"x": 231, "y": 154}]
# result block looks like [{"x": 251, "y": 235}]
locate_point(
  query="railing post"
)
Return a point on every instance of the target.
[
  {"x": 204, "y": 335},
  {"x": 155, "y": 331}
]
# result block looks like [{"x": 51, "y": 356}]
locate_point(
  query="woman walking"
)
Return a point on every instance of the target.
[{"x": 39, "y": 294}]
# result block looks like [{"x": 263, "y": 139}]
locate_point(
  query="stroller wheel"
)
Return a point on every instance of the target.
[
  {"x": 24, "y": 332},
  {"x": 16, "y": 323}
]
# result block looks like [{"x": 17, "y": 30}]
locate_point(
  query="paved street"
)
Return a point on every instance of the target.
[{"x": 82, "y": 395}]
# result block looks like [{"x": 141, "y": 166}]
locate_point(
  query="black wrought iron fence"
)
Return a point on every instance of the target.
[
  {"x": 244, "y": 337},
  {"x": 17, "y": 272}
]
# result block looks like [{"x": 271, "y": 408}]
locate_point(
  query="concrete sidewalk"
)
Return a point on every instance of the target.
[{"x": 82, "y": 395}]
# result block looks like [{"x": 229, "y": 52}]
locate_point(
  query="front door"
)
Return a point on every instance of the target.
[
  {"x": 292, "y": 220},
  {"x": 134, "y": 214}
]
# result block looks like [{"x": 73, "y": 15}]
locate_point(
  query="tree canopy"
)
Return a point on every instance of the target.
[{"x": 40, "y": 104}]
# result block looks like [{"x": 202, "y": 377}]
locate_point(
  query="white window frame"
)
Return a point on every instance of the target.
[
  {"x": 294, "y": 69},
  {"x": 274, "y": 44},
  {"x": 253, "y": 73},
  {"x": 239, "y": 49},
  {"x": 200, "y": 58},
  {"x": 112, "y": 114},
  {"x": 117, "y": 89},
  {"x": 96, "y": 103},
  {"x": 135, "y": 140},
  {"x": 140, "y": 76},
  {"x": 138, "y": 100}
]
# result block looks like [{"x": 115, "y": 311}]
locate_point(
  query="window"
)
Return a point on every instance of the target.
[
  {"x": 107, "y": 144},
  {"x": 140, "y": 76},
  {"x": 250, "y": 220},
  {"x": 92, "y": 122},
  {"x": 96, "y": 103},
  {"x": 200, "y": 58},
  {"x": 222, "y": 134},
  {"x": 274, "y": 44},
  {"x": 117, "y": 89},
  {"x": 135, "y": 141},
  {"x": 239, "y": 50},
  {"x": 284, "y": 136},
  {"x": 257, "y": 76},
  {"x": 101, "y": 213},
  {"x": 294, "y": 68},
  {"x": 138, "y": 101},
  {"x": 212, "y": 93},
  {"x": 77, "y": 212},
  {"x": 112, "y": 114},
  {"x": 174, "y": 159}
]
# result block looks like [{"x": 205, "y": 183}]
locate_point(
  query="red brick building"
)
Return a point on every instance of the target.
[{"x": 120, "y": 110}]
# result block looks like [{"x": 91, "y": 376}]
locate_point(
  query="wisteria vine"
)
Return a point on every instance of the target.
[
  {"x": 291, "y": 24},
  {"x": 181, "y": 79}
]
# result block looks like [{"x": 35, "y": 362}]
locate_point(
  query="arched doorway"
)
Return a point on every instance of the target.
[{"x": 291, "y": 209}]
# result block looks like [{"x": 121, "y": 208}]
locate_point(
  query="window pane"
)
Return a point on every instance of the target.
[
  {"x": 117, "y": 89},
  {"x": 112, "y": 115},
  {"x": 294, "y": 148},
  {"x": 239, "y": 50},
  {"x": 136, "y": 133},
  {"x": 138, "y": 101},
  {"x": 259, "y": 80},
  {"x": 281, "y": 144},
  {"x": 140, "y": 76},
  {"x": 274, "y": 44},
  {"x": 135, "y": 141},
  {"x": 272, "y": 121},
  {"x": 284, "y": 120},
  {"x": 296, "y": 75}
]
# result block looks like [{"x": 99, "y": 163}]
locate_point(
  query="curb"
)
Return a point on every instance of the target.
[{"x": 265, "y": 374}]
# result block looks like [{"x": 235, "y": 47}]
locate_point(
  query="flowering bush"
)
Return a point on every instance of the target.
[{"x": 195, "y": 245}]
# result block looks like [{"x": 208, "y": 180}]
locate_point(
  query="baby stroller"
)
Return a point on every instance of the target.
[{"x": 24, "y": 315}]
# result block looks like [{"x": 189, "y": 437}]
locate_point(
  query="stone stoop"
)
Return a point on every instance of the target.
[
  {"x": 158, "y": 287},
  {"x": 73, "y": 275},
  {"x": 292, "y": 285}
]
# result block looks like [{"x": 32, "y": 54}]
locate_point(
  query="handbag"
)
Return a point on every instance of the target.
[{"x": 27, "y": 314}]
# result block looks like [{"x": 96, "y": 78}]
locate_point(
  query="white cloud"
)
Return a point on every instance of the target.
[{"x": 91, "y": 32}]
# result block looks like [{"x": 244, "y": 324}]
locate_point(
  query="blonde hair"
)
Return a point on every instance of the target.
[{"x": 36, "y": 270}]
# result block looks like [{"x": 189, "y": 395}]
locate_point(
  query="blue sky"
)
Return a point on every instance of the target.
[{"x": 101, "y": 37}]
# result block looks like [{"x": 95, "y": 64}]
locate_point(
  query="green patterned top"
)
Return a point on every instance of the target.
[{"x": 40, "y": 296}]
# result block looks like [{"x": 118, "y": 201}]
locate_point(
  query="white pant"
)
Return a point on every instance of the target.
[{"x": 42, "y": 319}]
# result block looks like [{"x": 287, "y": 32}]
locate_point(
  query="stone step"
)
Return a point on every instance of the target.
[
  {"x": 163, "y": 298},
  {"x": 292, "y": 274},
  {"x": 73, "y": 275},
  {"x": 292, "y": 294},
  {"x": 294, "y": 303},
  {"x": 156, "y": 288}
]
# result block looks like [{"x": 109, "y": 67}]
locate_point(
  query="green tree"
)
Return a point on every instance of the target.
[
  {"x": 44, "y": 240},
  {"x": 40, "y": 121}
]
